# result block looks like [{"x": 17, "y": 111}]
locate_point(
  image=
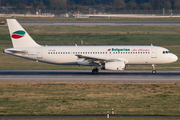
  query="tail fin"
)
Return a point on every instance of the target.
[{"x": 19, "y": 37}]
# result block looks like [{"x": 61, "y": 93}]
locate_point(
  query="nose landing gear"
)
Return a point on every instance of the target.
[{"x": 153, "y": 69}]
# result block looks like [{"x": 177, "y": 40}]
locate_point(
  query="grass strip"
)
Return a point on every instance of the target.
[
  {"x": 96, "y": 29},
  {"x": 96, "y": 119},
  {"x": 89, "y": 98}
]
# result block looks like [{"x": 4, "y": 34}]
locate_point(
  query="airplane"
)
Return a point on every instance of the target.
[{"x": 108, "y": 57}]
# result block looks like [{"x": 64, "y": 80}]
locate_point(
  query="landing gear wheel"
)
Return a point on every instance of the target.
[
  {"x": 94, "y": 71},
  {"x": 154, "y": 72},
  {"x": 97, "y": 70}
]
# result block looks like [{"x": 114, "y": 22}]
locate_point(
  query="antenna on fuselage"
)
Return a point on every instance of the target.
[
  {"x": 75, "y": 44},
  {"x": 151, "y": 44}
]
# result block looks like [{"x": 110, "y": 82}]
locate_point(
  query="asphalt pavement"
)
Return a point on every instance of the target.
[{"x": 86, "y": 75}]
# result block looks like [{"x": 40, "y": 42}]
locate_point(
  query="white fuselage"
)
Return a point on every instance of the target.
[{"x": 67, "y": 54}]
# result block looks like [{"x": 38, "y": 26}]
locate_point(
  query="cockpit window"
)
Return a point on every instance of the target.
[{"x": 166, "y": 52}]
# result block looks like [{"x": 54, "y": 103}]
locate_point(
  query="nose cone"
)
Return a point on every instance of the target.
[{"x": 174, "y": 58}]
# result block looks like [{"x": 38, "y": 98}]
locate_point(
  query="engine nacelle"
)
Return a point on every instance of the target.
[{"x": 118, "y": 65}]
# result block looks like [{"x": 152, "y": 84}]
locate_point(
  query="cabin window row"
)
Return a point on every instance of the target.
[
  {"x": 58, "y": 52},
  {"x": 131, "y": 53},
  {"x": 100, "y": 53}
]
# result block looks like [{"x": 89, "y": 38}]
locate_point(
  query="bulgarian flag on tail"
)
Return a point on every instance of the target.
[{"x": 18, "y": 34}]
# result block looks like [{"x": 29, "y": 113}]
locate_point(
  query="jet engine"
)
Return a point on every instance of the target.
[{"x": 117, "y": 65}]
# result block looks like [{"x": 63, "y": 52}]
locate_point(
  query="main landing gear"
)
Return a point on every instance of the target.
[
  {"x": 153, "y": 69},
  {"x": 94, "y": 71}
]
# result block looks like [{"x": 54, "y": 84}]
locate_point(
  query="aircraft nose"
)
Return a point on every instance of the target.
[{"x": 175, "y": 58}]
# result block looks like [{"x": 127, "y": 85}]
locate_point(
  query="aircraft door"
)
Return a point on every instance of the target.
[
  {"x": 153, "y": 53},
  {"x": 39, "y": 54}
]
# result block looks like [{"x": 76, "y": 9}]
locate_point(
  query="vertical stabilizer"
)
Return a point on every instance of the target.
[{"x": 19, "y": 37}]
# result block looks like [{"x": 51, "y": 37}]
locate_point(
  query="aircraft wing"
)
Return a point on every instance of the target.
[{"x": 93, "y": 59}]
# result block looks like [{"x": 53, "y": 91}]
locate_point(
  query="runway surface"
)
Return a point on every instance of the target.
[
  {"x": 100, "y": 23},
  {"x": 86, "y": 75}
]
